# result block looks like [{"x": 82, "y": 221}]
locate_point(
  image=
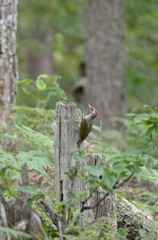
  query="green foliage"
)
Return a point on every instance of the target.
[
  {"x": 36, "y": 148},
  {"x": 34, "y": 140},
  {"x": 31, "y": 136},
  {"x": 122, "y": 233},
  {"x": 141, "y": 45},
  {"x": 14, "y": 233},
  {"x": 133, "y": 153},
  {"x": 41, "y": 90}
]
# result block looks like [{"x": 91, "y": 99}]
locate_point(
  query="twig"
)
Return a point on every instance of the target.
[
  {"x": 90, "y": 195},
  {"x": 54, "y": 216},
  {"x": 95, "y": 205},
  {"x": 150, "y": 149},
  {"x": 106, "y": 194},
  {"x": 60, "y": 230},
  {"x": 47, "y": 99},
  {"x": 122, "y": 183}
]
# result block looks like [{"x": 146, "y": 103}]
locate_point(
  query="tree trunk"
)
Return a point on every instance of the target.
[
  {"x": 104, "y": 60},
  {"x": 8, "y": 58},
  {"x": 40, "y": 61}
]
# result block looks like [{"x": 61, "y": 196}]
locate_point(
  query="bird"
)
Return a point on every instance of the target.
[{"x": 86, "y": 124}]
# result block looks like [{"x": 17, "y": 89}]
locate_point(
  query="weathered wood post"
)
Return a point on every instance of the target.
[{"x": 66, "y": 127}]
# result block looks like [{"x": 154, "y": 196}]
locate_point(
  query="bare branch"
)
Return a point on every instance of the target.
[
  {"x": 90, "y": 195},
  {"x": 54, "y": 216},
  {"x": 95, "y": 205},
  {"x": 117, "y": 185}
]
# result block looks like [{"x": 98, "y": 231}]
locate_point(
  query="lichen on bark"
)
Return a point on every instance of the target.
[{"x": 8, "y": 58}]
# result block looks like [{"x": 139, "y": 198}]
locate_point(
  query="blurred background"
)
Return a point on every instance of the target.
[
  {"x": 104, "y": 53},
  {"x": 52, "y": 39}
]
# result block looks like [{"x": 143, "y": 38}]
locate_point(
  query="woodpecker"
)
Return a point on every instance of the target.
[{"x": 86, "y": 124}]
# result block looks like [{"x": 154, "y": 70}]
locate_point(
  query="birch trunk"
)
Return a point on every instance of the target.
[{"x": 8, "y": 58}]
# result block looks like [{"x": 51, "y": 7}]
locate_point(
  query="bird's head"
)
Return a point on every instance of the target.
[{"x": 93, "y": 110}]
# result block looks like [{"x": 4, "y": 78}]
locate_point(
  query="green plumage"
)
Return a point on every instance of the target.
[
  {"x": 85, "y": 128},
  {"x": 86, "y": 125}
]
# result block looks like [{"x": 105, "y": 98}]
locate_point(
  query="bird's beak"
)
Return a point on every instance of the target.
[{"x": 89, "y": 106}]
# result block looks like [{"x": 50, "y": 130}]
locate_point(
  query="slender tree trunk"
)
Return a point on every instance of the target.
[
  {"x": 104, "y": 59},
  {"x": 8, "y": 58}
]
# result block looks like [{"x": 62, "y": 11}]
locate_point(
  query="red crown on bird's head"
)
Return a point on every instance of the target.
[
  {"x": 96, "y": 111},
  {"x": 92, "y": 108}
]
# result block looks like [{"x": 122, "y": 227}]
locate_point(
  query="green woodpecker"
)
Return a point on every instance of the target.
[{"x": 86, "y": 124}]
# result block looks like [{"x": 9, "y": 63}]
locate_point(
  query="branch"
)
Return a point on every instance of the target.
[
  {"x": 106, "y": 194},
  {"x": 122, "y": 183},
  {"x": 90, "y": 195},
  {"x": 95, "y": 205},
  {"x": 54, "y": 216}
]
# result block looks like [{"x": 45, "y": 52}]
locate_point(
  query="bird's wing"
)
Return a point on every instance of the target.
[{"x": 87, "y": 128}]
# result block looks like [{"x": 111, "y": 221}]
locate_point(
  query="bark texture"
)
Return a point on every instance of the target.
[
  {"x": 67, "y": 124},
  {"x": 105, "y": 60},
  {"x": 134, "y": 221},
  {"x": 66, "y": 130},
  {"x": 8, "y": 58},
  {"x": 107, "y": 207}
]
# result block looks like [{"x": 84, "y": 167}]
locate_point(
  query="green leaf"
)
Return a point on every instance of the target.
[
  {"x": 30, "y": 202},
  {"x": 25, "y": 82},
  {"x": 119, "y": 167},
  {"x": 41, "y": 85},
  {"x": 15, "y": 233},
  {"x": 81, "y": 158},
  {"x": 109, "y": 179},
  {"x": 122, "y": 232},
  {"x": 141, "y": 118},
  {"x": 2, "y": 189},
  {"x": 41, "y": 76},
  {"x": 96, "y": 128},
  {"x": 31, "y": 190},
  {"x": 149, "y": 131},
  {"x": 143, "y": 233},
  {"x": 130, "y": 114},
  {"x": 59, "y": 91},
  {"x": 136, "y": 170},
  {"x": 150, "y": 226},
  {"x": 95, "y": 171},
  {"x": 27, "y": 92}
]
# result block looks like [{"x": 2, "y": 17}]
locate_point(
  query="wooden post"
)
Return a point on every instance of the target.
[
  {"x": 66, "y": 128},
  {"x": 66, "y": 137}
]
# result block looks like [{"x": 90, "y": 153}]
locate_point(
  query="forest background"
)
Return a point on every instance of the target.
[{"x": 51, "y": 40}]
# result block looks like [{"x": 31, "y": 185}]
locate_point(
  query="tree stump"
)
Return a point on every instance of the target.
[
  {"x": 66, "y": 128},
  {"x": 68, "y": 118}
]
